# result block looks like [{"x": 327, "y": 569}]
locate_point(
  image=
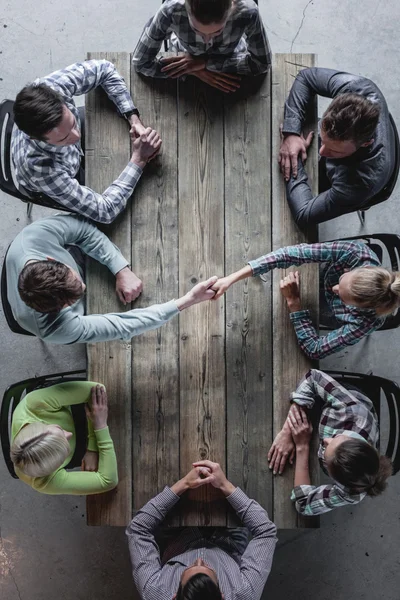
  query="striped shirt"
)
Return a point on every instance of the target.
[
  {"x": 241, "y": 47},
  {"x": 338, "y": 257},
  {"x": 240, "y": 579},
  {"x": 344, "y": 412},
  {"x": 48, "y": 169}
]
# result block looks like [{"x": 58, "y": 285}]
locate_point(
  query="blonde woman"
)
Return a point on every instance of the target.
[
  {"x": 43, "y": 440},
  {"x": 357, "y": 292}
]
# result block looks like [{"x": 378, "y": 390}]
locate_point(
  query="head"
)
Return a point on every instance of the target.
[
  {"x": 357, "y": 465},
  {"x": 39, "y": 449},
  {"x": 370, "y": 287},
  {"x": 48, "y": 286},
  {"x": 348, "y": 124},
  {"x": 208, "y": 17},
  {"x": 198, "y": 582},
  {"x": 41, "y": 113}
]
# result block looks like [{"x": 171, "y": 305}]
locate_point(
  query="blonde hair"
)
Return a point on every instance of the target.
[
  {"x": 38, "y": 452},
  {"x": 376, "y": 287}
]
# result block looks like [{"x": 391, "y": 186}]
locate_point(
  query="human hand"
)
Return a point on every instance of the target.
[
  {"x": 145, "y": 147},
  {"x": 281, "y": 450},
  {"x": 199, "y": 293},
  {"x": 182, "y": 64},
  {"x": 196, "y": 477},
  {"x": 90, "y": 462},
  {"x": 291, "y": 147},
  {"x": 221, "y": 286},
  {"x": 98, "y": 410},
  {"x": 226, "y": 82},
  {"x": 300, "y": 427},
  {"x": 217, "y": 478},
  {"x": 128, "y": 286},
  {"x": 137, "y": 127},
  {"x": 290, "y": 290}
]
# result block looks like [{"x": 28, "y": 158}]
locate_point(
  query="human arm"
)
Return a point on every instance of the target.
[
  {"x": 282, "y": 449},
  {"x": 301, "y": 430},
  {"x": 154, "y": 33},
  {"x": 311, "y": 500}
]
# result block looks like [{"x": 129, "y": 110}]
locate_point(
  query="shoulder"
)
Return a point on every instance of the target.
[{"x": 245, "y": 9}]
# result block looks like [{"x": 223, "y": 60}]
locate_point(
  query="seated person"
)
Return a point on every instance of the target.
[
  {"x": 349, "y": 436},
  {"x": 43, "y": 440},
  {"x": 45, "y": 285},
  {"x": 357, "y": 145},
  {"x": 46, "y": 144},
  {"x": 356, "y": 292},
  {"x": 215, "y": 40},
  {"x": 198, "y": 563}
]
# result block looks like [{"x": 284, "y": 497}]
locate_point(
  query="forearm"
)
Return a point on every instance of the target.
[
  {"x": 107, "y": 469},
  {"x": 302, "y": 469},
  {"x": 145, "y": 58}
]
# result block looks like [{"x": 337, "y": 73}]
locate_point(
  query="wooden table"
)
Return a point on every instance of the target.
[{"x": 215, "y": 381}]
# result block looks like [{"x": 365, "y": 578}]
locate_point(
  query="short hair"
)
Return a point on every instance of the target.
[
  {"x": 48, "y": 285},
  {"x": 37, "y": 110},
  {"x": 209, "y": 11},
  {"x": 38, "y": 452},
  {"x": 351, "y": 117},
  {"x": 377, "y": 288},
  {"x": 198, "y": 587},
  {"x": 358, "y": 466}
]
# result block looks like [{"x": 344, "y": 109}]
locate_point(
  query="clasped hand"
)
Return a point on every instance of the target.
[{"x": 186, "y": 64}]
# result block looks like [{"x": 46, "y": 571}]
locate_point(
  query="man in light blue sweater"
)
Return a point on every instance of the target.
[{"x": 45, "y": 285}]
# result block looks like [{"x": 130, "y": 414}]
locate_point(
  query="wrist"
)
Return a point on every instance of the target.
[
  {"x": 122, "y": 271},
  {"x": 303, "y": 449},
  {"x": 180, "y": 487},
  {"x": 99, "y": 425},
  {"x": 294, "y": 304},
  {"x": 138, "y": 161},
  {"x": 227, "y": 488},
  {"x": 184, "y": 302}
]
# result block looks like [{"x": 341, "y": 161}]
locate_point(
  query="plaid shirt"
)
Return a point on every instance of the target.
[
  {"x": 224, "y": 52},
  {"x": 51, "y": 170},
  {"x": 338, "y": 256},
  {"x": 344, "y": 412},
  {"x": 240, "y": 579}
]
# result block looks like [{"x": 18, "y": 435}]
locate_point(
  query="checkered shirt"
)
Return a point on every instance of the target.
[
  {"x": 51, "y": 170},
  {"x": 338, "y": 256},
  {"x": 224, "y": 52},
  {"x": 344, "y": 412},
  {"x": 241, "y": 579}
]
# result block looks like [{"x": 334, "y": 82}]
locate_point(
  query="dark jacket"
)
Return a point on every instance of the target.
[{"x": 354, "y": 180}]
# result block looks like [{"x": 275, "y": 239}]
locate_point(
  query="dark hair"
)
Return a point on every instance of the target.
[
  {"x": 199, "y": 587},
  {"x": 359, "y": 466},
  {"x": 209, "y": 11},
  {"x": 48, "y": 285},
  {"x": 351, "y": 117},
  {"x": 38, "y": 109}
]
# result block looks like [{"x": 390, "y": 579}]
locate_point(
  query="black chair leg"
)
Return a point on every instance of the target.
[
  {"x": 361, "y": 216},
  {"x": 29, "y": 207}
]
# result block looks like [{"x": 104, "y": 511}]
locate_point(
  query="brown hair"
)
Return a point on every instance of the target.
[
  {"x": 37, "y": 110},
  {"x": 376, "y": 287},
  {"x": 48, "y": 285},
  {"x": 209, "y": 11},
  {"x": 351, "y": 117},
  {"x": 359, "y": 466}
]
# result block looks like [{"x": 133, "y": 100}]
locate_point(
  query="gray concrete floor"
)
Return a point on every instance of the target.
[{"x": 46, "y": 550}]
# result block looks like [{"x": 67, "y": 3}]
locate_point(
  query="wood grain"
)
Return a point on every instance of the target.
[
  {"x": 201, "y": 255},
  {"x": 248, "y": 303},
  {"x": 107, "y": 153},
  {"x": 289, "y": 362}
]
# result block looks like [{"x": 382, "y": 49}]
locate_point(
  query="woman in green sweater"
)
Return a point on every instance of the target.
[{"x": 43, "y": 440}]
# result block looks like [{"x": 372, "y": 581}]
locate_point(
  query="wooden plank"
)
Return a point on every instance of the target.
[
  {"x": 289, "y": 362},
  {"x": 155, "y": 362},
  {"x": 107, "y": 153},
  {"x": 201, "y": 252},
  {"x": 248, "y": 303}
]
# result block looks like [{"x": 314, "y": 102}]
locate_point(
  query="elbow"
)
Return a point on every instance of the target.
[
  {"x": 111, "y": 482},
  {"x": 300, "y": 507},
  {"x": 312, "y": 350}
]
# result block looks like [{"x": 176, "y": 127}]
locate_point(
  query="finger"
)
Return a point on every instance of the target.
[
  {"x": 291, "y": 457},
  {"x": 293, "y": 160},
  {"x": 297, "y": 277},
  {"x": 282, "y": 463},
  {"x": 271, "y": 452},
  {"x": 303, "y": 155},
  {"x": 204, "y": 463},
  {"x": 121, "y": 296},
  {"x": 309, "y": 139},
  {"x": 178, "y": 72},
  {"x": 274, "y": 459},
  {"x": 287, "y": 167},
  {"x": 171, "y": 61},
  {"x": 152, "y": 136},
  {"x": 210, "y": 282}
]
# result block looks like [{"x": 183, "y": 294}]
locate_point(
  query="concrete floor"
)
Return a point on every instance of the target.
[{"x": 46, "y": 550}]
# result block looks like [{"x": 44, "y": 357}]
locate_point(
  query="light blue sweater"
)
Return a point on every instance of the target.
[{"x": 48, "y": 238}]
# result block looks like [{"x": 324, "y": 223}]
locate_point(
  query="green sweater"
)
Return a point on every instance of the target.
[{"x": 51, "y": 406}]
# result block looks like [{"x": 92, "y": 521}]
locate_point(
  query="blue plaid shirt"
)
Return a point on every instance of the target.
[
  {"x": 344, "y": 412},
  {"x": 44, "y": 168},
  {"x": 338, "y": 256},
  {"x": 241, "y": 47}
]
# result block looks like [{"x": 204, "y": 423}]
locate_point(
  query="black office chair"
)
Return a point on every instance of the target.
[
  {"x": 16, "y": 392},
  {"x": 11, "y": 322},
  {"x": 7, "y": 183},
  {"x": 378, "y": 389},
  {"x": 387, "y": 191}
]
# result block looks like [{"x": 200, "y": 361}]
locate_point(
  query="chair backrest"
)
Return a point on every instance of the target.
[
  {"x": 16, "y": 392},
  {"x": 378, "y": 388},
  {"x": 7, "y": 184},
  {"x": 11, "y": 322}
]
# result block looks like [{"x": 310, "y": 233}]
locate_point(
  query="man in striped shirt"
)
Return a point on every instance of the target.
[
  {"x": 202, "y": 562},
  {"x": 46, "y": 144}
]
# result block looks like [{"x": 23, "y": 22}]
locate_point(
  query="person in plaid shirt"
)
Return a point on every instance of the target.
[
  {"x": 358, "y": 291},
  {"x": 349, "y": 437},
  {"x": 46, "y": 142},
  {"x": 216, "y": 41}
]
